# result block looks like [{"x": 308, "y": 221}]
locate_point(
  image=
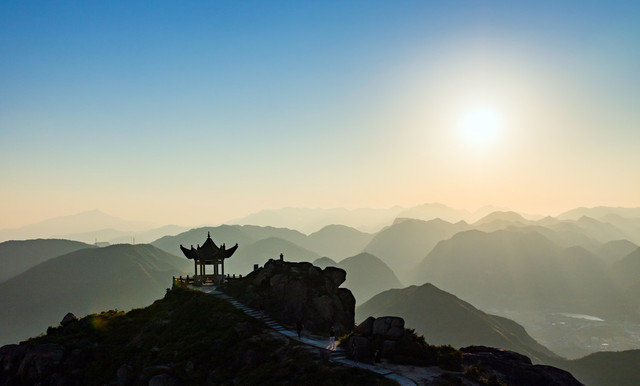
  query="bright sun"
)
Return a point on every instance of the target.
[{"x": 480, "y": 126}]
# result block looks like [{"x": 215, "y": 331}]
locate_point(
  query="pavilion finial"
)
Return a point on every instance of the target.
[{"x": 208, "y": 235}]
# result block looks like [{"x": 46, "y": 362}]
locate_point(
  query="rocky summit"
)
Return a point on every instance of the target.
[
  {"x": 187, "y": 338},
  {"x": 292, "y": 292}
]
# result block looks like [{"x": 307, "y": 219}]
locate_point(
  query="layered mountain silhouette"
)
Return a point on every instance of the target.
[
  {"x": 78, "y": 223},
  {"x": 606, "y": 368},
  {"x": 324, "y": 262},
  {"x": 405, "y": 243},
  {"x": 627, "y": 272},
  {"x": 18, "y": 256},
  {"x": 87, "y": 280},
  {"x": 615, "y": 250},
  {"x": 520, "y": 270},
  {"x": 367, "y": 276},
  {"x": 119, "y": 236},
  {"x": 337, "y": 241},
  {"x": 311, "y": 220},
  {"x": 599, "y": 212},
  {"x": 261, "y": 251},
  {"x": 445, "y": 319}
]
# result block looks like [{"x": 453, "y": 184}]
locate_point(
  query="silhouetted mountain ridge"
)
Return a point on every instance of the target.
[
  {"x": 18, "y": 256},
  {"x": 445, "y": 319},
  {"x": 88, "y": 280}
]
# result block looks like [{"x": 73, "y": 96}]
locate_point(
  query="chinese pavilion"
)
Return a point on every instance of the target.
[{"x": 209, "y": 254}]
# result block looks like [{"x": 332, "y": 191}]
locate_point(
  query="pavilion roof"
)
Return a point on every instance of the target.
[{"x": 208, "y": 251}]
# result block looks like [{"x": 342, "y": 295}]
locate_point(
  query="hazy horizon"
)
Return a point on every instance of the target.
[{"x": 206, "y": 112}]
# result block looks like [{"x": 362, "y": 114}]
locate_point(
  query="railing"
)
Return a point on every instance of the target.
[{"x": 200, "y": 280}]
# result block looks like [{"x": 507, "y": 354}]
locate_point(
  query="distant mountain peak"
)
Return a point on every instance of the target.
[{"x": 502, "y": 216}]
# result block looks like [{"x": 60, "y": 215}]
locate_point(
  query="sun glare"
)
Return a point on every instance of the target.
[{"x": 480, "y": 125}]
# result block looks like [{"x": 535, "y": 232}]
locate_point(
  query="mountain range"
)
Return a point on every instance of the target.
[
  {"x": 582, "y": 263},
  {"x": 367, "y": 275},
  {"x": 18, "y": 256},
  {"x": 445, "y": 319},
  {"x": 78, "y": 223},
  {"x": 507, "y": 269},
  {"x": 84, "y": 281}
]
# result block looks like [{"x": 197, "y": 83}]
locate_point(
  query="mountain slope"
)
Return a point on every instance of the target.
[
  {"x": 520, "y": 270},
  {"x": 405, "y": 243},
  {"x": 627, "y": 270},
  {"x": 511, "y": 217},
  {"x": 261, "y": 251},
  {"x": 77, "y": 223},
  {"x": 88, "y": 280},
  {"x": 324, "y": 262},
  {"x": 431, "y": 211},
  {"x": 310, "y": 220},
  {"x": 367, "y": 275},
  {"x": 337, "y": 241},
  {"x": 606, "y": 368},
  {"x": 18, "y": 256},
  {"x": 445, "y": 319},
  {"x": 187, "y": 338},
  {"x": 614, "y": 251},
  {"x": 599, "y": 212},
  {"x": 223, "y": 234},
  {"x": 117, "y": 236}
]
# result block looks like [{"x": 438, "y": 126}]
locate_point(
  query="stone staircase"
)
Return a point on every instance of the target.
[{"x": 338, "y": 355}]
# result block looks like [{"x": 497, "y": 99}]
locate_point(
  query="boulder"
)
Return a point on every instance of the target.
[
  {"x": 68, "y": 319},
  {"x": 389, "y": 327},
  {"x": 516, "y": 369},
  {"x": 366, "y": 327},
  {"x": 337, "y": 275},
  {"x": 359, "y": 348}
]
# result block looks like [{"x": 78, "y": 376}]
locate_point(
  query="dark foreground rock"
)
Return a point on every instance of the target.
[
  {"x": 187, "y": 338},
  {"x": 515, "y": 369},
  {"x": 292, "y": 292}
]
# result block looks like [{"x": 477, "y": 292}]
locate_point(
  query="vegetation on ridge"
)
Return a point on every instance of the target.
[{"x": 192, "y": 338}]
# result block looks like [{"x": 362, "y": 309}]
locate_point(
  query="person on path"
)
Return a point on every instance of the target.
[
  {"x": 354, "y": 349},
  {"x": 332, "y": 340},
  {"x": 299, "y": 328}
]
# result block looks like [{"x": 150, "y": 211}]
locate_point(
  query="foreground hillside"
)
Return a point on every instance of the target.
[
  {"x": 18, "y": 256},
  {"x": 88, "y": 280},
  {"x": 186, "y": 338}
]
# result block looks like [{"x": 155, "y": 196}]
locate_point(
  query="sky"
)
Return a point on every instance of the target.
[{"x": 201, "y": 112}]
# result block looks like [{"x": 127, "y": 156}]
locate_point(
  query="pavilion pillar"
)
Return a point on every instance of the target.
[{"x": 195, "y": 267}]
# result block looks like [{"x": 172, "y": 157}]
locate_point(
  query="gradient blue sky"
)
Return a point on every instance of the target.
[{"x": 198, "y": 112}]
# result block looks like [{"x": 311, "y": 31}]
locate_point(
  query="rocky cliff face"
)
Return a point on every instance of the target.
[{"x": 291, "y": 292}]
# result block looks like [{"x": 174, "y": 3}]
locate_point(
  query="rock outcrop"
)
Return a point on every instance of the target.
[
  {"x": 515, "y": 369},
  {"x": 291, "y": 292},
  {"x": 375, "y": 338}
]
